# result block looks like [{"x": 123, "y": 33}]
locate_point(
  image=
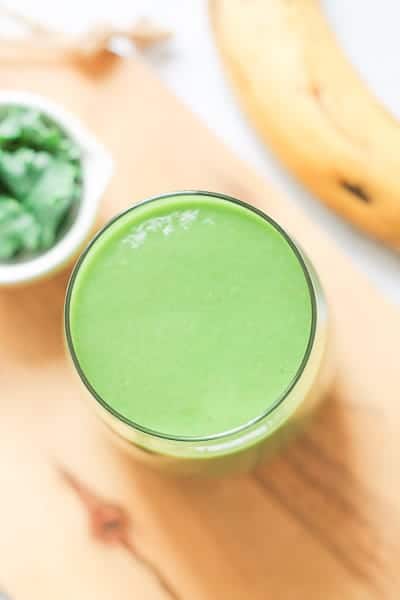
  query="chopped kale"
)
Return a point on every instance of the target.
[
  {"x": 18, "y": 229},
  {"x": 40, "y": 180}
]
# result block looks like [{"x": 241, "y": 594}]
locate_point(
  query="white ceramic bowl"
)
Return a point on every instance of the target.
[{"x": 97, "y": 168}]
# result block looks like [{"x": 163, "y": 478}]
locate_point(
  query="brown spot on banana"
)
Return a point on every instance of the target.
[
  {"x": 317, "y": 94},
  {"x": 356, "y": 190}
]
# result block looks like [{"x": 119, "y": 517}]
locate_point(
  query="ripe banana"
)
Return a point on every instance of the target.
[{"x": 312, "y": 108}]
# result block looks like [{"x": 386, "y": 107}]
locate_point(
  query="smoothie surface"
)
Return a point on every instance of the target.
[{"x": 190, "y": 315}]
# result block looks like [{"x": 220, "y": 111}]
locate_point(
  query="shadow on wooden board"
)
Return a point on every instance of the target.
[{"x": 292, "y": 526}]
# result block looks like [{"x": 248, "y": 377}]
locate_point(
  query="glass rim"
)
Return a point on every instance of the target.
[{"x": 280, "y": 399}]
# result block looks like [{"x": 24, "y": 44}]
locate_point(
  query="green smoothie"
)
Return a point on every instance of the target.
[{"x": 190, "y": 316}]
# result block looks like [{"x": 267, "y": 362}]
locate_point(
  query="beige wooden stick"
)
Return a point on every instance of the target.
[
  {"x": 142, "y": 35},
  {"x": 34, "y": 26}
]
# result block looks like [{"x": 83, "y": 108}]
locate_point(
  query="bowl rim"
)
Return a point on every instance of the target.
[{"x": 97, "y": 166}]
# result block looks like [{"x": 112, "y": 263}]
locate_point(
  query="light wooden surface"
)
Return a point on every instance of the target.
[{"x": 79, "y": 520}]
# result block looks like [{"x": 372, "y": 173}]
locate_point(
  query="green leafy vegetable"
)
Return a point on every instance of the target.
[
  {"x": 20, "y": 170},
  {"x": 40, "y": 180},
  {"x": 18, "y": 228},
  {"x": 50, "y": 198}
]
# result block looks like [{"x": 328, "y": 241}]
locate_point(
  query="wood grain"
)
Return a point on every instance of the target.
[{"x": 78, "y": 519}]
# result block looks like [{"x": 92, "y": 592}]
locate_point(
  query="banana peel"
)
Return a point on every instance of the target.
[{"x": 312, "y": 108}]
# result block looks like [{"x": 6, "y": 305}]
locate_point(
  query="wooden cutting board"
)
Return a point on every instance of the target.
[{"x": 79, "y": 520}]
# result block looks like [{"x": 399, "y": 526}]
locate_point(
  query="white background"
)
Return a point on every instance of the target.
[{"x": 367, "y": 29}]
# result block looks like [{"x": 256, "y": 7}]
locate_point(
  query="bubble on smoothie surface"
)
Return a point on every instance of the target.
[{"x": 166, "y": 225}]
